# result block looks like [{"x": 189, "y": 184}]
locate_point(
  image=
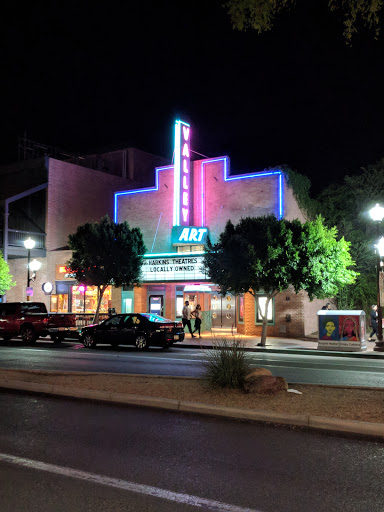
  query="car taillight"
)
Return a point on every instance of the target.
[
  {"x": 179, "y": 324},
  {"x": 45, "y": 320}
]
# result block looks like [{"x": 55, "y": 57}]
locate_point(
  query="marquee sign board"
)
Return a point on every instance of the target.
[
  {"x": 190, "y": 235},
  {"x": 179, "y": 268}
]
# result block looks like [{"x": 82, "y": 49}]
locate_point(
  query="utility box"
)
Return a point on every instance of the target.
[{"x": 342, "y": 330}]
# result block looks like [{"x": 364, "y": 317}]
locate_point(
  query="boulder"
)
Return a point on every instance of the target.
[
  {"x": 256, "y": 372},
  {"x": 266, "y": 384}
]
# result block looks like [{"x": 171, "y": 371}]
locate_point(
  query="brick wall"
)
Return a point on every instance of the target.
[
  {"x": 140, "y": 299},
  {"x": 116, "y": 299},
  {"x": 18, "y": 269},
  {"x": 170, "y": 301},
  {"x": 303, "y": 315}
]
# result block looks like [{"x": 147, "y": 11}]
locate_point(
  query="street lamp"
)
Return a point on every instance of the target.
[
  {"x": 29, "y": 244},
  {"x": 34, "y": 266},
  {"x": 377, "y": 214}
]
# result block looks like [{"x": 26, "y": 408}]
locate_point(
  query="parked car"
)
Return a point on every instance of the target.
[
  {"x": 138, "y": 329},
  {"x": 31, "y": 320}
]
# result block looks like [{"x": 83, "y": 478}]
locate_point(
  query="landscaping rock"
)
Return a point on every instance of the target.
[
  {"x": 266, "y": 385},
  {"x": 257, "y": 372}
]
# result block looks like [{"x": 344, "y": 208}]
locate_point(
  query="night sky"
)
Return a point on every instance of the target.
[{"x": 102, "y": 76}]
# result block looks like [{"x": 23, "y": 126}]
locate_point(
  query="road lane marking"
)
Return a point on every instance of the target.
[{"x": 124, "y": 485}]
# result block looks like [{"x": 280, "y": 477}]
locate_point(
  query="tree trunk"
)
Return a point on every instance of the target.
[
  {"x": 265, "y": 322},
  {"x": 100, "y": 293}
]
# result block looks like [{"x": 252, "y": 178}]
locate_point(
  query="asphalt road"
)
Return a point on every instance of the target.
[
  {"x": 178, "y": 361},
  {"x": 63, "y": 455}
]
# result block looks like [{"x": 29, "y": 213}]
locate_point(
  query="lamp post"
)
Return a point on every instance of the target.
[
  {"x": 34, "y": 266},
  {"x": 29, "y": 244},
  {"x": 377, "y": 214}
]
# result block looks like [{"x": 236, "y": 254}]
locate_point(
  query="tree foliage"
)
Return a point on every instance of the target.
[
  {"x": 346, "y": 205},
  {"x": 260, "y": 15},
  {"x": 5, "y": 277},
  {"x": 267, "y": 255},
  {"x": 105, "y": 253}
]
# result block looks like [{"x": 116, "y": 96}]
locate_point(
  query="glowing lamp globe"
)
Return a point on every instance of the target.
[
  {"x": 29, "y": 243},
  {"x": 377, "y": 213}
]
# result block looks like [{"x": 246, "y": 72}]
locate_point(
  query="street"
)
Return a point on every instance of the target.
[
  {"x": 62, "y": 454},
  {"x": 178, "y": 361}
]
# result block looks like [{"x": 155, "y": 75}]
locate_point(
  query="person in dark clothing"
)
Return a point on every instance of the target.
[
  {"x": 198, "y": 318},
  {"x": 187, "y": 318},
  {"x": 373, "y": 322}
]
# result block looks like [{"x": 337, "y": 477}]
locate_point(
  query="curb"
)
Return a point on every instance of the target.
[
  {"x": 307, "y": 421},
  {"x": 302, "y": 351}
]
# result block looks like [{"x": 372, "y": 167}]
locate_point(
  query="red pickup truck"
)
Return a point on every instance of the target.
[{"x": 31, "y": 320}]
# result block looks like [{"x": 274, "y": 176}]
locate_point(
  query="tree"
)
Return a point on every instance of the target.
[
  {"x": 259, "y": 15},
  {"x": 5, "y": 277},
  {"x": 267, "y": 255},
  {"x": 346, "y": 206},
  {"x": 106, "y": 253}
]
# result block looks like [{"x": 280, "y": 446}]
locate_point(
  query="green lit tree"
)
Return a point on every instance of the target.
[
  {"x": 5, "y": 277},
  {"x": 267, "y": 255},
  {"x": 260, "y": 15},
  {"x": 105, "y": 253},
  {"x": 346, "y": 206}
]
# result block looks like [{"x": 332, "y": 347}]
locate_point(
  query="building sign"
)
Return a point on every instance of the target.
[
  {"x": 189, "y": 268},
  {"x": 182, "y": 181},
  {"x": 63, "y": 273},
  {"x": 189, "y": 235}
]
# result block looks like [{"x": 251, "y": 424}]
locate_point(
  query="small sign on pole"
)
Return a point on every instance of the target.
[{"x": 29, "y": 291}]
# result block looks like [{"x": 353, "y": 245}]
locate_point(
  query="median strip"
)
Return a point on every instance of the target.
[{"x": 301, "y": 420}]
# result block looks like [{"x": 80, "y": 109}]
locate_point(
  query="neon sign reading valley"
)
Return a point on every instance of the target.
[{"x": 182, "y": 181}]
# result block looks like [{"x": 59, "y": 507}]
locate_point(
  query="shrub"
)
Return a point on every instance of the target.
[{"x": 226, "y": 364}]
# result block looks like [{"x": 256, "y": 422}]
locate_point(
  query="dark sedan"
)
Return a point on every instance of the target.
[{"x": 138, "y": 329}]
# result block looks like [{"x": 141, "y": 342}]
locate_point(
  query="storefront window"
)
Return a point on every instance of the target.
[
  {"x": 59, "y": 303},
  {"x": 179, "y": 306},
  {"x": 84, "y": 299},
  {"x": 241, "y": 308},
  {"x": 260, "y": 308}
]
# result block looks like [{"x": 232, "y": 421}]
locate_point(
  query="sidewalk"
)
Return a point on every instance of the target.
[{"x": 305, "y": 346}]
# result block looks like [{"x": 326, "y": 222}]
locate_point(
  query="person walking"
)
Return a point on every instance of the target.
[
  {"x": 187, "y": 317},
  {"x": 198, "y": 314},
  {"x": 373, "y": 322}
]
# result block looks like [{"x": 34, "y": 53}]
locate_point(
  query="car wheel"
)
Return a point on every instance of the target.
[
  {"x": 28, "y": 334},
  {"x": 88, "y": 340},
  {"x": 141, "y": 342}
]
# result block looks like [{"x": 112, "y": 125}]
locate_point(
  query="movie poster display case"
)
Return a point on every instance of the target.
[{"x": 342, "y": 330}]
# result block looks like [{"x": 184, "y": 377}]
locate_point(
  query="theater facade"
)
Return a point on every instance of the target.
[{"x": 191, "y": 200}]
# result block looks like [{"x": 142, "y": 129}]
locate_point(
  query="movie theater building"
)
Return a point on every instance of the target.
[{"x": 190, "y": 201}]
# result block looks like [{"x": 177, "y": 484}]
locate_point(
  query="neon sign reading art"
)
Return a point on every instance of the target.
[{"x": 182, "y": 181}]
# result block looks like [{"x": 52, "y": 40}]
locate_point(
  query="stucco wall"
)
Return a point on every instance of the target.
[
  {"x": 77, "y": 195},
  {"x": 144, "y": 210}
]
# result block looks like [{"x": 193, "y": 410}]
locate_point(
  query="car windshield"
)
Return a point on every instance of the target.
[{"x": 156, "y": 318}]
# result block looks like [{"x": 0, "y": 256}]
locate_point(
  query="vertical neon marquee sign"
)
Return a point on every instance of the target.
[{"x": 182, "y": 181}]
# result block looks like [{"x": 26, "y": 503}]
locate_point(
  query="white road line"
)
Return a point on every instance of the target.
[{"x": 124, "y": 485}]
